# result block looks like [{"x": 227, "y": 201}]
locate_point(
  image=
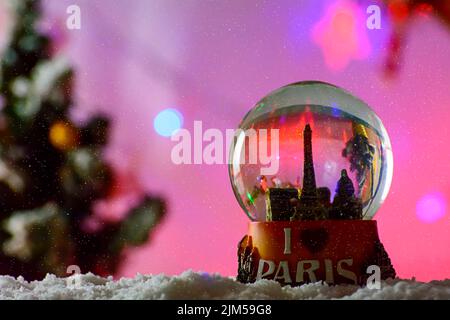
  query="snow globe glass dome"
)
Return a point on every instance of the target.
[{"x": 311, "y": 144}]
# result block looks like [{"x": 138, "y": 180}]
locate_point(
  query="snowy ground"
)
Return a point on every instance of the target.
[{"x": 192, "y": 285}]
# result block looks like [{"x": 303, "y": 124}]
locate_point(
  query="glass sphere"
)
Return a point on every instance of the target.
[{"x": 310, "y": 151}]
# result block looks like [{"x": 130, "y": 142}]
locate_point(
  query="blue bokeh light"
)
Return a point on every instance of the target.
[{"x": 167, "y": 122}]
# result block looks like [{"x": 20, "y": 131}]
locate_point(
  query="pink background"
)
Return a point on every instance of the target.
[{"x": 212, "y": 60}]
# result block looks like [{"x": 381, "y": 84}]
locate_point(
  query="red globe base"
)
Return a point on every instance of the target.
[{"x": 298, "y": 252}]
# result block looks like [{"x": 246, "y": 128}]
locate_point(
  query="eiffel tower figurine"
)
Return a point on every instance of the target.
[{"x": 309, "y": 207}]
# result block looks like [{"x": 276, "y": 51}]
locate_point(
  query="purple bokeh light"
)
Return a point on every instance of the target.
[{"x": 431, "y": 207}]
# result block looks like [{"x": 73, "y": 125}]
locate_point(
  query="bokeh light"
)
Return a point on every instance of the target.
[
  {"x": 431, "y": 207},
  {"x": 338, "y": 35},
  {"x": 167, "y": 122}
]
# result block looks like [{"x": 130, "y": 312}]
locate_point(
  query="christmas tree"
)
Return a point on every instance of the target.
[{"x": 51, "y": 169}]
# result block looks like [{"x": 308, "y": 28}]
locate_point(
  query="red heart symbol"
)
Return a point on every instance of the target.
[{"x": 314, "y": 239}]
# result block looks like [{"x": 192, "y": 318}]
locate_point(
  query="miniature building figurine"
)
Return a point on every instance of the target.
[
  {"x": 312, "y": 203},
  {"x": 324, "y": 195},
  {"x": 281, "y": 204},
  {"x": 345, "y": 204},
  {"x": 309, "y": 191}
]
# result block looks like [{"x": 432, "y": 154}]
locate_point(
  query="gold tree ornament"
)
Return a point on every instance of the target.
[{"x": 63, "y": 136}]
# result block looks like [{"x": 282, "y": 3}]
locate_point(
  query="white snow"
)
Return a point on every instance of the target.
[{"x": 194, "y": 285}]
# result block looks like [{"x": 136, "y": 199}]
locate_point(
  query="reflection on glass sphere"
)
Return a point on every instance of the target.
[{"x": 310, "y": 151}]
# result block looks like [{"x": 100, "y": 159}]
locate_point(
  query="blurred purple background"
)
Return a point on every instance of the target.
[{"x": 211, "y": 61}]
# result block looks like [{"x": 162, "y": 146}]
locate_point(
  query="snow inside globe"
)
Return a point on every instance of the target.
[{"x": 310, "y": 151}]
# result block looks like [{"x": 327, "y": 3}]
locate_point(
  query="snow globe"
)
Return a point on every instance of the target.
[{"x": 310, "y": 165}]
